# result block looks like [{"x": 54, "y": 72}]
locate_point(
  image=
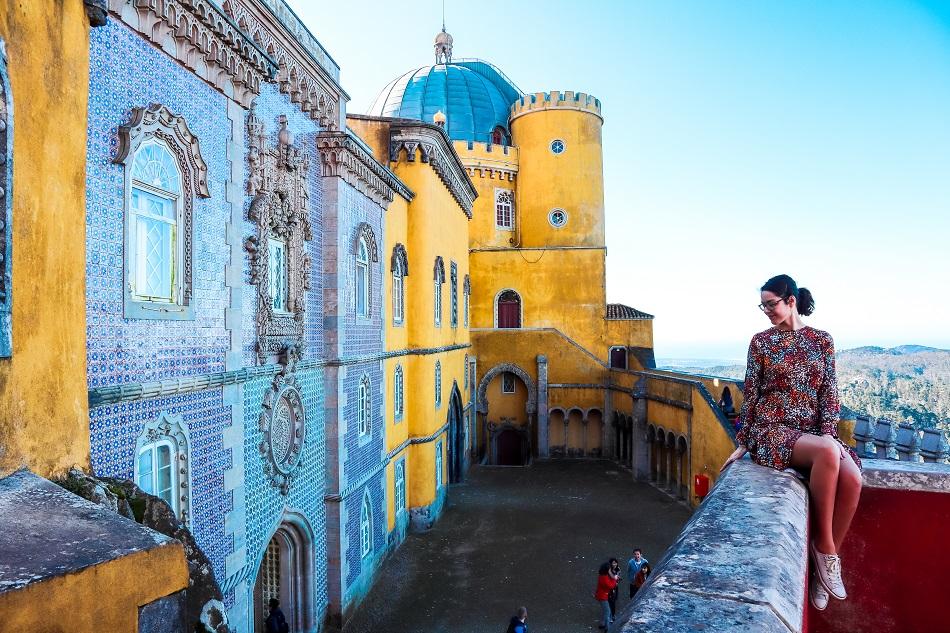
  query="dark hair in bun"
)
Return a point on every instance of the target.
[{"x": 785, "y": 287}]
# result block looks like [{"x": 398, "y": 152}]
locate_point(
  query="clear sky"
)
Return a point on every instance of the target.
[{"x": 741, "y": 140}]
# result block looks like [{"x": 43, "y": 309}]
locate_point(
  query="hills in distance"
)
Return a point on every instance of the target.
[{"x": 907, "y": 383}]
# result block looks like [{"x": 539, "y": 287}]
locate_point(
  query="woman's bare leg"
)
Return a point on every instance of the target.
[
  {"x": 822, "y": 457},
  {"x": 846, "y": 499}
]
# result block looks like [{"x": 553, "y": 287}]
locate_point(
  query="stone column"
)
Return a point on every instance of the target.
[
  {"x": 669, "y": 464},
  {"x": 542, "y": 415},
  {"x": 584, "y": 423},
  {"x": 640, "y": 459}
]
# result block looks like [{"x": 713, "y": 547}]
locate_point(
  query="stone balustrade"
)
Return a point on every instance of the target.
[{"x": 885, "y": 439}]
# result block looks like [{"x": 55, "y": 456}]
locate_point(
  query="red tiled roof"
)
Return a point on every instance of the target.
[{"x": 620, "y": 311}]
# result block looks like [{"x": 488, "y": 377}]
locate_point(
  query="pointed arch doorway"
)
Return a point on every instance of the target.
[
  {"x": 456, "y": 422},
  {"x": 286, "y": 572}
]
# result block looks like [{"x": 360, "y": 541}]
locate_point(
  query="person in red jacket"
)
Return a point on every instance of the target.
[{"x": 606, "y": 583}]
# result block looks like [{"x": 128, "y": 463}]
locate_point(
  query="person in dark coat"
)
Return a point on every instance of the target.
[
  {"x": 276, "y": 622},
  {"x": 518, "y": 624}
]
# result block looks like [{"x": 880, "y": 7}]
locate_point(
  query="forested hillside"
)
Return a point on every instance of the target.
[{"x": 910, "y": 383}]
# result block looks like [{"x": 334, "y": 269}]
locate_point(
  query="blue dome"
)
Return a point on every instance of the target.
[{"x": 474, "y": 96}]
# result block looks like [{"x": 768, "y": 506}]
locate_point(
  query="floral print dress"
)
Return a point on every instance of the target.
[{"x": 790, "y": 389}]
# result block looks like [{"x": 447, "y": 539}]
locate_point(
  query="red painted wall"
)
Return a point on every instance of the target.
[{"x": 896, "y": 565}]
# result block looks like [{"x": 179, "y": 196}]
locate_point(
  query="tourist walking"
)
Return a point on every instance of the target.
[
  {"x": 517, "y": 623},
  {"x": 790, "y": 414},
  {"x": 633, "y": 568},
  {"x": 276, "y": 622},
  {"x": 606, "y": 582}
]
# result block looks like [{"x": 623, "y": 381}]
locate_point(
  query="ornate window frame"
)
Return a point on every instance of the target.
[
  {"x": 399, "y": 481},
  {"x": 454, "y": 289},
  {"x": 466, "y": 293},
  {"x": 554, "y": 214},
  {"x": 278, "y": 186},
  {"x": 399, "y": 265},
  {"x": 508, "y": 385},
  {"x": 6, "y": 209},
  {"x": 366, "y": 237},
  {"x": 438, "y": 384},
  {"x": 170, "y": 430},
  {"x": 399, "y": 402},
  {"x": 366, "y": 525},
  {"x": 520, "y": 306},
  {"x": 504, "y": 209},
  {"x": 156, "y": 122},
  {"x": 439, "y": 277},
  {"x": 364, "y": 407},
  {"x": 439, "y": 465}
]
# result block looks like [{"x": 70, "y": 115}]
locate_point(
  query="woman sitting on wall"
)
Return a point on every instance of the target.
[{"x": 790, "y": 418}]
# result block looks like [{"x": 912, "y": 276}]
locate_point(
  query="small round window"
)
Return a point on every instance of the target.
[
  {"x": 557, "y": 146},
  {"x": 557, "y": 218}
]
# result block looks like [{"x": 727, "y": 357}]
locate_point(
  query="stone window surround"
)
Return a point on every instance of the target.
[
  {"x": 466, "y": 293},
  {"x": 399, "y": 264},
  {"x": 365, "y": 234},
  {"x": 504, "y": 197},
  {"x": 438, "y": 384},
  {"x": 454, "y": 289},
  {"x": 520, "y": 305},
  {"x": 439, "y": 465},
  {"x": 364, "y": 411},
  {"x": 399, "y": 477},
  {"x": 398, "y": 393},
  {"x": 156, "y": 121},
  {"x": 551, "y": 215},
  {"x": 439, "y": 277},
  {"x": 171, "y": 429},
  {"x": 556, "y": 149},
  {"x": 366, "y": 525}
]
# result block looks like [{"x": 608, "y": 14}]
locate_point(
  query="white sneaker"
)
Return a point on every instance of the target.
[
  {"x": 828, "y": 570},
  {"x": 817, "y": 594}
]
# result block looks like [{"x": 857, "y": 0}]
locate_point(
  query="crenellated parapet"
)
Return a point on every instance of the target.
[
  {"x": 200, "y": 36},
  {"x": 556, "y": 100},
  {"x": 431, "y": 145},
  {"x": 341, "y": 155},
  {"x": 488, "y": 160}
]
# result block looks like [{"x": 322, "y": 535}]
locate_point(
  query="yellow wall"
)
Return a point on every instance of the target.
[
  {"x": 508, "y": 405},
  {"x": 99, "y": 598},
  {"x": 489, "y": 168},
  {"x": 43, "y": 400},
  {"x": 633, "y": 333}
]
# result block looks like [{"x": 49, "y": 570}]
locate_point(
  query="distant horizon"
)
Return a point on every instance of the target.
[{"x": 706, "y": 360}]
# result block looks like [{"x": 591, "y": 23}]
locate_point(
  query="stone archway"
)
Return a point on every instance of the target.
[
  {"x": 491, "y": 429},
  {"x": 286, "y": 571},
  {"x": 456, "y": 448}
]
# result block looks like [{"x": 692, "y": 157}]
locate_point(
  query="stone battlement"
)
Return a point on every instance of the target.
[{"x": 568, "y": 100}]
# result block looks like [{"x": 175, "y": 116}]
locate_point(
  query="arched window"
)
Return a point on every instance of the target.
[
  {"x": 400, "y": 477},
  {"x": 438, "y": 384},
  {"x": 155, "y": 224},
  {"x": 398, "y": 393},
  {"x": 508, "y": 311},
  {"x": 465, "y": 372},
  {"x": 498, "y": 136},
  {"x": 438, "y": 465},
  {"x": 362, "y": 278},
  {"x": 162, "y": 463},
  {"x": 364, "y": 406},
  {"x": 618, "y": 357},
  {"x": 504, "y": 209},
  {"x": 454, "y": 289},
  {"x": 366, "y": 526},
  {"x": 400, "y": 268},
  {"x": 439, "y": 276},
  {"x": 466, "y": 292}
]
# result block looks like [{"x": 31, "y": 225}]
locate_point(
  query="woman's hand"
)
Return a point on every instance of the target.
[{"x": 736, "y": 454}]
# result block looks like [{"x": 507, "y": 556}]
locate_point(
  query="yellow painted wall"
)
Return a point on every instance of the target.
[
  {"x": 572, "y": 180},
  {"x": 632, "y": 333},
  {"x": 100, "y": 598},
  {"x": 508, "y": 405},
  {"x": 489, "y": 170},
  {"x": 43, "y": 399}
]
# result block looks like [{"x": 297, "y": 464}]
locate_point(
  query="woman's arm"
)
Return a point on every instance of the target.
[{"x": 750, "y": 394}]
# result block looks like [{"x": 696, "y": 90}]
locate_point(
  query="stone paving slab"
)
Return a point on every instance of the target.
[{"x": 520, "y": 536}]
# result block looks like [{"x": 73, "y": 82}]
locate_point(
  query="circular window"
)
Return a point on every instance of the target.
[
  {"x": 557, "y": 218},
  {"x": 557, "y": 146}
]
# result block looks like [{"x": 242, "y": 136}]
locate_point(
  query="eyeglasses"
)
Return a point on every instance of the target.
[{"x": 770, "y": 305}]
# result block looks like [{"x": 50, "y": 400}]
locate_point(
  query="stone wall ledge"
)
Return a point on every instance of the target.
[
  {"x": 902, "y": 475},
  {"x": 46, "y": 531},
  {"x": 738, "y": 565}
]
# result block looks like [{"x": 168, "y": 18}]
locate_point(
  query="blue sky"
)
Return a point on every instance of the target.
[{"x": 741, "y": 140}]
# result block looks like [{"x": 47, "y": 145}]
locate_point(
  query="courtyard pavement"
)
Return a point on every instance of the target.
[{"x": 520, "y": 536}]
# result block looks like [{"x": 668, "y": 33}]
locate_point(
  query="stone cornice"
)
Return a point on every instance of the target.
[
  {"x": 341, "y": 155},
  {"x": 205, "y": 40},
  {"x": 434, "y": 147},
  {"x": 304, "y": 70}
]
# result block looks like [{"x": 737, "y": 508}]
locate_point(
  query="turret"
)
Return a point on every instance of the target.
[{"x": 560, "y": 199}]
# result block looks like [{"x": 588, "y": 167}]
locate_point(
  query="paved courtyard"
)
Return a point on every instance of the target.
[{"x": 520, "y": 536}]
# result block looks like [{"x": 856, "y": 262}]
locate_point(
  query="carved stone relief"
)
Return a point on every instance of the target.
[
  {"x": 279, "y": 207},
  {"x": 283, "y": 421}
]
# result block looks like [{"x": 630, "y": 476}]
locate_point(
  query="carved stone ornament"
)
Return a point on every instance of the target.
[
  {"x": 277, "y": 183},
  {"x": 173, "y": 429},
  {"x": 283, "y": 421}
]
